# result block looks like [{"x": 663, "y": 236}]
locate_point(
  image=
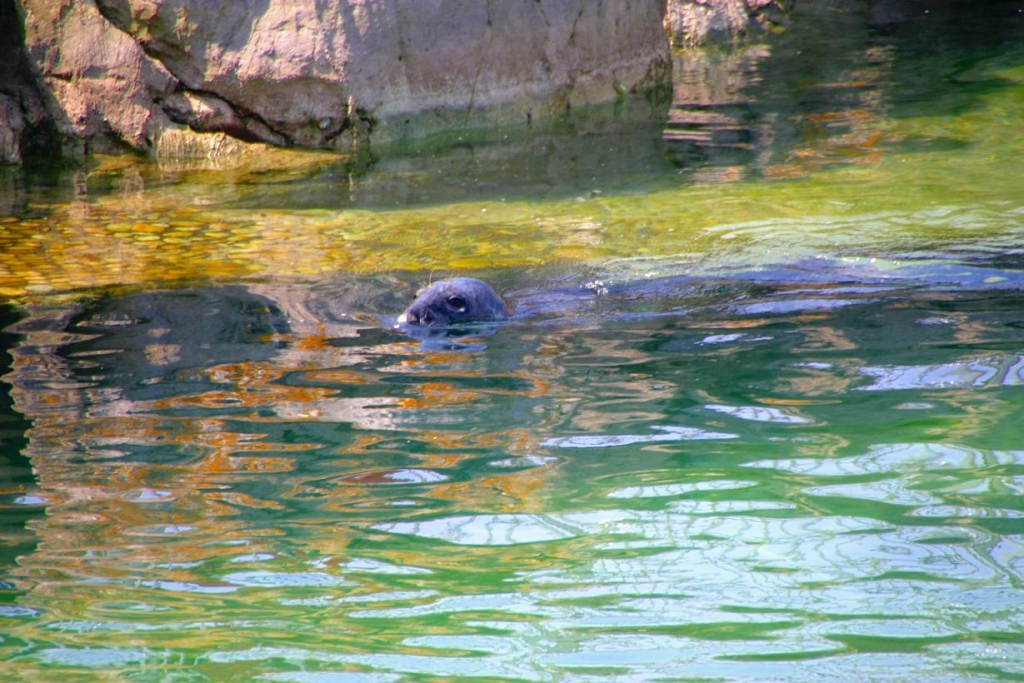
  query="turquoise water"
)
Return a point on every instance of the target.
[
  {"x": 757, "y": 416},
  {"x": 756, "y": 481}
]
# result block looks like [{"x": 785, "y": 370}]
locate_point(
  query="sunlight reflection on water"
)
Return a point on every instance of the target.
[
  {"x": 571, "y": 498},
  {"x": 757, "y": 415}
]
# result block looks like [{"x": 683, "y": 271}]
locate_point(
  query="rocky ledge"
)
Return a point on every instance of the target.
[{"x": 91, "y": 75}]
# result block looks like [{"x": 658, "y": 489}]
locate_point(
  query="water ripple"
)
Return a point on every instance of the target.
[
  {"x": 281, "y": 579},
  {"x": 898, "y": 457},
  {"x": 668, "y": 433},
  {"x": 1007, "y": 371},
  {"x": 489, "y": 529}
]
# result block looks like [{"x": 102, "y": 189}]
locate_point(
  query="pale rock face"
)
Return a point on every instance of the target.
[
  {"x": 692, "y": 23},
  {"x": 96, "y": 81},
  {"x": 332, "y": 74}
]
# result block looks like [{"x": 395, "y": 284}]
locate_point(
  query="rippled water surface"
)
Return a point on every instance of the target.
[{"x": 757, "y": 416}]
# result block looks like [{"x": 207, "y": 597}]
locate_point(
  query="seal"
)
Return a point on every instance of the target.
[{"x": 454, "y": 301}]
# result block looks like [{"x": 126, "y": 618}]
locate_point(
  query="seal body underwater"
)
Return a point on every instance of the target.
[{"x": 454, "y": 301}]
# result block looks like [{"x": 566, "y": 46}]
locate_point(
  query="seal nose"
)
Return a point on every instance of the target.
[{"x": 416, "y": 315}]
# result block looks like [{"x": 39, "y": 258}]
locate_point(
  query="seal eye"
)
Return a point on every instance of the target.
[{"x": 457, "y": 303}]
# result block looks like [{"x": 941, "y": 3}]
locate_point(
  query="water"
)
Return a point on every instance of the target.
[
  {"x": 732, "y": 479},
  {"x": 757, "y": 415}
]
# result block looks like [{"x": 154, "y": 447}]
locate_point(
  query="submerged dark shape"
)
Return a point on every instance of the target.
[
  {"x": 454, "y": 301},
  {"x": 126, "y": 343}
]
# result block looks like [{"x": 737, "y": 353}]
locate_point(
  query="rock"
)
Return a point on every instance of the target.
[
  {"x": 330, "y": 74},
  {"x": 697, "y": 22},
  {"x": 12, "y": 123},
  {"x": 99, "y": 87},
  {"x": 21, "y": 106},
  {"x": 187, "y": 144},
  {"x": 209, "y": 113}
]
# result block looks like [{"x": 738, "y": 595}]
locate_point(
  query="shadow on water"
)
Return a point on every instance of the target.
[
  {"x": 134, "y": 341},
  {"x": 16, "y": 506}
]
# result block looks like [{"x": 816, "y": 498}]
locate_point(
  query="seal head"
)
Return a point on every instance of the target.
[{"x": 454, "y": 301}]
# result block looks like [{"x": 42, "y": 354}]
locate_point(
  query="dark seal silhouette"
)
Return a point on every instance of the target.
[{"x": 455, "y": 301}]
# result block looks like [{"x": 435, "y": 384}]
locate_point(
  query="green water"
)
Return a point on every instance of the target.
[{"x": 758, "y": 415}]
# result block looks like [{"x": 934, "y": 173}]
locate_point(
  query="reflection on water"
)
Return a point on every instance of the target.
[
  {"x": 849, "y": 118},
  {"x": 757, "y": 415},
  {"x": 665, "y": 480},
  {"x": 788, "y": 107}
]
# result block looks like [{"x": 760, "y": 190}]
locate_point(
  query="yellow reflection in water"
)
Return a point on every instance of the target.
[{"x": 157, "y": 226}]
